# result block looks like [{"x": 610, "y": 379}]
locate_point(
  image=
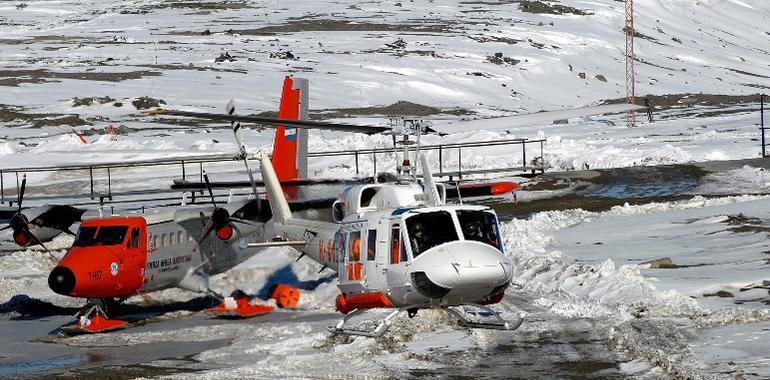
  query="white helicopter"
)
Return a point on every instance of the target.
[{"x": 399, "y": 245}]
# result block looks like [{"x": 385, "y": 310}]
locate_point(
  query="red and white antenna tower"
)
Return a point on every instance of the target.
[{"x": 630, "y": 75}]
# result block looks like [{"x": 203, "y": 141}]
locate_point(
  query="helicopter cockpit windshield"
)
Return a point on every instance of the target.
[
  {"x": 480, "y": 226},
  {"x": 429, "y": 229}
]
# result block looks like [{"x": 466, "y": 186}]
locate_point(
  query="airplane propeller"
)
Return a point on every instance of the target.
[
  {"x": 219, "y": 221},
  {"x": 20, "y": 224}
]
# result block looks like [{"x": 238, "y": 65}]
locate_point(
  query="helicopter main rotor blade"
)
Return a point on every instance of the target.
[
  {"x": 273, "y": 122},
  {"x": 524, "y": 120}
]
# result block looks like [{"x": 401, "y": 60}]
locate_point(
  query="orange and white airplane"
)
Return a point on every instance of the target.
[{"x": 134, "y": 253}]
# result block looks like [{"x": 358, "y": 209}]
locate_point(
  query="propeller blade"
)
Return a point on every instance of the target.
[
  {"x": 21, "y": 191},
  {"x": 208, "y": 186},
  {"x": 37, "y": 240},
  {"x": 206, "y": 231}
]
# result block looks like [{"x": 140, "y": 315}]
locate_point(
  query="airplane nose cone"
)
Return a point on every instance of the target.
[{"x": 61, "y": 280}]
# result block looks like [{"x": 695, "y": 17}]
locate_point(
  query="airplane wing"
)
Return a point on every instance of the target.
[
  {"x": 272, "y": 122},
  {"x": 523, "y": 120}
]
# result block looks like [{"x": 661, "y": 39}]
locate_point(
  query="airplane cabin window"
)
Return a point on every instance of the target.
[
  {"x": 429, "y": 229},
  {"x": 163, "y": 241},
  {"x": 180, "y": 237}
]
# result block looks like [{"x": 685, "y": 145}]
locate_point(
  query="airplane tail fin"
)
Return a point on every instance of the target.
[{"x": 290, "y": 144}]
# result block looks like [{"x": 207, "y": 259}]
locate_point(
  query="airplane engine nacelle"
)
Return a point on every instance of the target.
[
  {"x": 21, "y": 238},
  {"x": 225, "y": 232}
]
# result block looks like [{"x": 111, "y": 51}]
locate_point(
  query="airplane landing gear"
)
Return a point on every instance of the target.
[
  {"x": 242, "y": 307},
  {"x": 93, "y": 319},
  {"x": 238, "y": 305}
]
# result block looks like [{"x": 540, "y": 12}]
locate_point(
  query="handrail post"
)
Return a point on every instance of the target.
[
  {"x": 523, "y": 153},
  {"x": 355, "y": 153},
  {"x": 17, "y": 185},
  {"x": 2, "y": 186},
  {"x": 183, "y": 171},
  {"x": 109, "y": 184},
  {"x": 440, "y": 159},
  {"x": 542, "y": 159},
  {"x": 91, "y": 175},
  {"x": 459, "y": 163},
  {"x": 374, "y": 159},
  {"x": 762, "y": 121}
]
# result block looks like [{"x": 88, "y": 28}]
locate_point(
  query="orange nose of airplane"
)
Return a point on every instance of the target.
[{"x": 61, "y": 280}]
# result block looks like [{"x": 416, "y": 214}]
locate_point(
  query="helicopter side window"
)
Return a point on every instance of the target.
[
  {"x": 395, "y": 245},
  {"x": 371, "y": 245},
  {"x": 429, "y": 229},
  {"x": 354, "y": 249},
  {"x": 480, "y": 226},
  {"x": 367, "y": 195}
]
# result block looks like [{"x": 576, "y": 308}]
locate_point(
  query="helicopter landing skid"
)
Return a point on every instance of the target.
[
  {"x": 483, "y": 317},
  {"x": 379, "y": 331}
]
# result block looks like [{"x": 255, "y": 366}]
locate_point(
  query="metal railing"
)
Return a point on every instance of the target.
[
  {"x": 101, "y": 176},
  {"x": 537, "y": 162}
]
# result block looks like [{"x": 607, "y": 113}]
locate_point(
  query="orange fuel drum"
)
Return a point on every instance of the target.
[{"x": 285, "y": 296}]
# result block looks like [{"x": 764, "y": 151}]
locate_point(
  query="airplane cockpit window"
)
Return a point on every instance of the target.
[
  {"x": 480, "y": 226},
  {"x": 104, "y": 235},
  {"x": 429, "y": 229},
  {"x": 133, "y": 242}
]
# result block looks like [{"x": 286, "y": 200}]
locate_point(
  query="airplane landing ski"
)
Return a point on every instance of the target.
[
  {"x": 241, "y": 307},
  {"x": 93, "y": 320}
]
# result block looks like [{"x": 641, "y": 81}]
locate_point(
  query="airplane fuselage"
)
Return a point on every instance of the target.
[{"x": 120, "y": 256}]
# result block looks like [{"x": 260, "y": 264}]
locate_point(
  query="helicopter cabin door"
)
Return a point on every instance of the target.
[
  {"x": 352, "y": 257},
  {"x": 397, "y": 258}
]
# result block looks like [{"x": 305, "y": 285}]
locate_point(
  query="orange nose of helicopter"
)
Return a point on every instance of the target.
[{"x": 468, "y": 270}]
